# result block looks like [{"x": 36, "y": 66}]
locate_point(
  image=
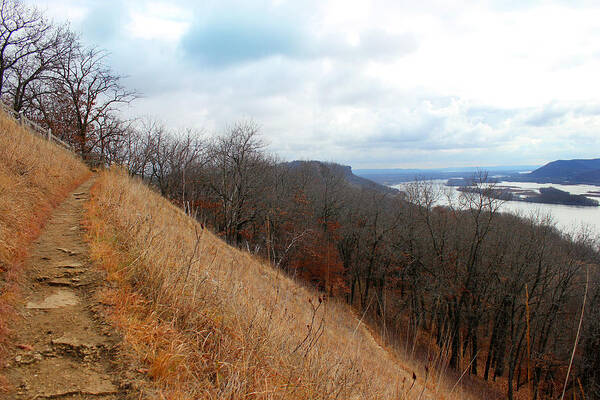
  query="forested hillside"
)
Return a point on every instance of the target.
[{"x": 488, "y": 292}]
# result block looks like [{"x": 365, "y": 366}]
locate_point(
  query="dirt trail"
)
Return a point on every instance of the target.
[{"x": 62, "y": 348}]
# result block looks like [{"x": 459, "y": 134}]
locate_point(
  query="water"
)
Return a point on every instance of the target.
[{"x": 569, "y": 219}]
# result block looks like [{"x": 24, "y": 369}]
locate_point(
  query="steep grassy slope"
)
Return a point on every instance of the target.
[
  {"x": 35, "y": 175},
  {"x": 204, "y": 320}
]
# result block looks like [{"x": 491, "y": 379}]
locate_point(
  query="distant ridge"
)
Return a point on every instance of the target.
[{"x": 577, "y": 171}]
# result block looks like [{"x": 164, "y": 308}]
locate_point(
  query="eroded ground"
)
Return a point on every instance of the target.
[{"x": 62, "y": 348}]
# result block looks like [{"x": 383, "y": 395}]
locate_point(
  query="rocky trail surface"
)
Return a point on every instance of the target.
[{"x": 62, "y": 347}]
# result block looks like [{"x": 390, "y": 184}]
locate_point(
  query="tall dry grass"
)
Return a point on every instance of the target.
[
  {"x": 205, "y": 320},
  {"x": 35, "y": 176}
]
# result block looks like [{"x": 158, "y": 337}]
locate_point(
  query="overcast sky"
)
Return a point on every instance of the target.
[{"x": 372, "y": 84}]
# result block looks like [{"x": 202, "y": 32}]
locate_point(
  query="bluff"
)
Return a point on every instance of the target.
[{"x": 344, "y": 171}]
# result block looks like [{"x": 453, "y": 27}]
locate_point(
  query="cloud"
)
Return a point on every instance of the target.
[
  {"x": 368, "y": 83},
  {"x": 104, "y": 21},
  {"x": 560, "y": 113},
  {"x": 547, "y": 116},
  {"x": 231, "y": 39},
  {"x": 369, "y": 45},
  {"x": 228, "y": 37}
]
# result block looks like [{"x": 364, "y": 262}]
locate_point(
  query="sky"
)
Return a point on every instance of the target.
[{"x": 371, "y": 84}]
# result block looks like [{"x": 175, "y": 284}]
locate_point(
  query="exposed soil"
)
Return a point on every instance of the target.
[{"x": 62, "y": 347}]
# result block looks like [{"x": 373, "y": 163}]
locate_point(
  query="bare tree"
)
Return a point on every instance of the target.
[
  {"x": 136, "y": 151},
  {"x": 237, "y": 165},
  {"x": 22, "y": 29},
  {"x": 31, "y": 75},
  {"x": 88, "y": 92},
  {"x": 112, "y": 135}
]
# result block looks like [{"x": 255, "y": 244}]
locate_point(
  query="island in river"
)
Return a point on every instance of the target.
[
  {"x": 546, "y": 195},
  {"x": 569, "y": 172}
]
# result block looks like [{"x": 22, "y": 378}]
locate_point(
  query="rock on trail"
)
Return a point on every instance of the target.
[{"x": 62, "y": 347}]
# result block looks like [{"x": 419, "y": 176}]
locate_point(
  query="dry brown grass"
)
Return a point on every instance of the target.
[
  {"x": 204, "y": 320},
  {"x": 35, "y": 176}
]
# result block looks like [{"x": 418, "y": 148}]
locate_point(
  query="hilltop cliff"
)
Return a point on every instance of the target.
[{"x": 344, "y": 171}]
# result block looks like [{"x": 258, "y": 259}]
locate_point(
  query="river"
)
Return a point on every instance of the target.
[{"x": 569, "y": 219}]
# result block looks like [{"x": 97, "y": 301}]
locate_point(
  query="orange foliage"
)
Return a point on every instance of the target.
[{"x": 318, "y": 261}]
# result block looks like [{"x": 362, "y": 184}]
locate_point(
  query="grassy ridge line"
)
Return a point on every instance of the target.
[
  {"x": 204, "y": 320},
  {"x": 35, "y": 176}
]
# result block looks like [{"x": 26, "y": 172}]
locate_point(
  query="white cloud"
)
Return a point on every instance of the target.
[{"x": 159, "y": 21}]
